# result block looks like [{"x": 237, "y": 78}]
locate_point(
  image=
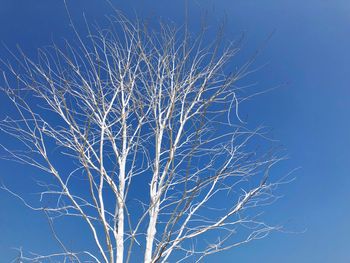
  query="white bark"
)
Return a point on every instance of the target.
[{"x": 136, "y": 105}]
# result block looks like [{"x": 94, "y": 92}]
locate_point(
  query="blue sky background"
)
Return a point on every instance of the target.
[{"x": 310, "y": 115}]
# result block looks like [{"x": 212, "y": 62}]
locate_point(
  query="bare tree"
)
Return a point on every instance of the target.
[{"x": 156, "y": 158}]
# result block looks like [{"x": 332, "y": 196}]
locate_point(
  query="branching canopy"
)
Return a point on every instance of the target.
[{"x": 138, "y": 134}]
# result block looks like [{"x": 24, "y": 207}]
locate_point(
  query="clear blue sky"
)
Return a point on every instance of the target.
[{"x": 310, "y": 115}]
